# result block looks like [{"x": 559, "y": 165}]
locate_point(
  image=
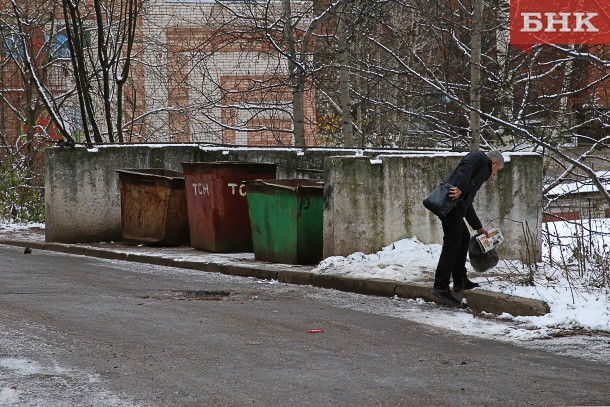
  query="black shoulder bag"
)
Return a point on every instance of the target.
[{"x": 438, "y": 202}]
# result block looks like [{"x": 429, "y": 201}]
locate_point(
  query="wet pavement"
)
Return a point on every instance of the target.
[{"x": 245, "y": 265}]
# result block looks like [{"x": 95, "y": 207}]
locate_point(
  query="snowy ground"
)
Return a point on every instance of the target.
[
  {"x": 574, "y": 303},
  {"x": 29, "y": 370}
]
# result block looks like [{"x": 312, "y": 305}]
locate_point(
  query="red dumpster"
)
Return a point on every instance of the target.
[
  {"x": 217, "y": 206},
  {"x": 153, "y": 206}
]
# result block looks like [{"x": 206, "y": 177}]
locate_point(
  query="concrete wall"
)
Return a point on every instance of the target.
[
  {"x": 82, "y": 201},
  {"x": 82, "y": 187},
  {"x": 370, "y": 204}
]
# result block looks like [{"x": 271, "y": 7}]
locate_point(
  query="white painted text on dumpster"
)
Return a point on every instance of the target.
[
  {"x": 240, "y": 189},
  {"x": 201, "y": 188}
]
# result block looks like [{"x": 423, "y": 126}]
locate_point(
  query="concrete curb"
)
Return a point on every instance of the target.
[
  {"x": 498, "y": 303},
  {"x": 478, "y": 300}
]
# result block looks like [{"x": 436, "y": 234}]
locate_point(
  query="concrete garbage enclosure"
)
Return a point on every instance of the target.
[{"x": 371, "y": 198}]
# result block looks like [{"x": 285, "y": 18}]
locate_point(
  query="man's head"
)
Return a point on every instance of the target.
[{"x": 497, "y": 161}]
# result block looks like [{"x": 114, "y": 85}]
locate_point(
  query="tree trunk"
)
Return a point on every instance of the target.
[
  {"x": 296, "y": 78},
  {"x": 75, "y": 32},
  {"x": 505, "y": 71},
  {"x": 105, "y": 64},
  {"x": 344, "y": 88},
  {"x": 475, "y": 76},
  {"x": 298, "y": 107}
]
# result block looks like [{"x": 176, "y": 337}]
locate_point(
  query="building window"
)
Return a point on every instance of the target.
[
  {"x": 59, "y": 46},
  {"x": 13, "y": 45}
]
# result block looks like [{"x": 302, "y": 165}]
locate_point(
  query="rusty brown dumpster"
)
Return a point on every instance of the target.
[
  {"x": 153, "y": 207},
  {"x": 217, "y": 205}
]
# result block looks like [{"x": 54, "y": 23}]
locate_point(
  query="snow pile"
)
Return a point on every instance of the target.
[
  {"x": 570, "y": 308},
  {"x": 405, "y": 260}
]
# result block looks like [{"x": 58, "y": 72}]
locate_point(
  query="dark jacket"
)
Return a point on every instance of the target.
[{"x": 472, "y": 171}]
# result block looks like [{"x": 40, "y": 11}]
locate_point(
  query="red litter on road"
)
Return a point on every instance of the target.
[{"x": 315, "y": 331}]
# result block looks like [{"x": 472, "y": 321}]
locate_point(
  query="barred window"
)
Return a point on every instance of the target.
[{"x": 13, "y": 45}]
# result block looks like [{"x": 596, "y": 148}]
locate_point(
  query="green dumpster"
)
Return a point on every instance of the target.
[{"x": 286, "y": 217}]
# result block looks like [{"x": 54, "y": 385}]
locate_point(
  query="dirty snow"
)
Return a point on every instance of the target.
[{"x": 34, "y": 380}]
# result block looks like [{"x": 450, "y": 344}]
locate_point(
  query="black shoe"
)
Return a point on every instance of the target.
[
  {"x": 465, "y": 284},
  {"x": 445, "y": 297}
]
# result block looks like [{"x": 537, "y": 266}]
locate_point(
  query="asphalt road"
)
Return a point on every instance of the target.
[{"x": 83, "y": 331}]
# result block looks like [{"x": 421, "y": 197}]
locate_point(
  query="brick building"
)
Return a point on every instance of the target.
[
  {"x": 199, "y": 73},
  {"x": 214, "y": 77}
]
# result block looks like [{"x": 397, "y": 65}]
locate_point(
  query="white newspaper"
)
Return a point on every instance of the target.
[{"x": 491, "y": 240}]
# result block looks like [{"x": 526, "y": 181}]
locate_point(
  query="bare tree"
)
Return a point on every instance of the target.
[
  {"x": 475, "y": 73},
  {"x": 98, "y": 40},
  {"x": 25, "y": 62},
  {"x": 554, "y": 101},
  {"x": 101, "y": 37}
]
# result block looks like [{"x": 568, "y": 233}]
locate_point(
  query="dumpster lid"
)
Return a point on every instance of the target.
[
  {"x": 153, "y": 172},
  {"x": 293, "y": 184}
]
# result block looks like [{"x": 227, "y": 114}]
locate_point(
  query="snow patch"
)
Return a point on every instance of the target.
[
  {"x": 9, "y": 396},
  {"x": 22, "y": 366}
]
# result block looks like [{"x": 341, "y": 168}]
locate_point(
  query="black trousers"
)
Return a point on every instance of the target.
[{"x": 452, "y": 262}]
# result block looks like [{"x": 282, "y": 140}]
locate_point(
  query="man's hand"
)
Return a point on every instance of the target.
[
  {"x": 482, "y": 231},
  {"x": 454, "y": 193}
]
